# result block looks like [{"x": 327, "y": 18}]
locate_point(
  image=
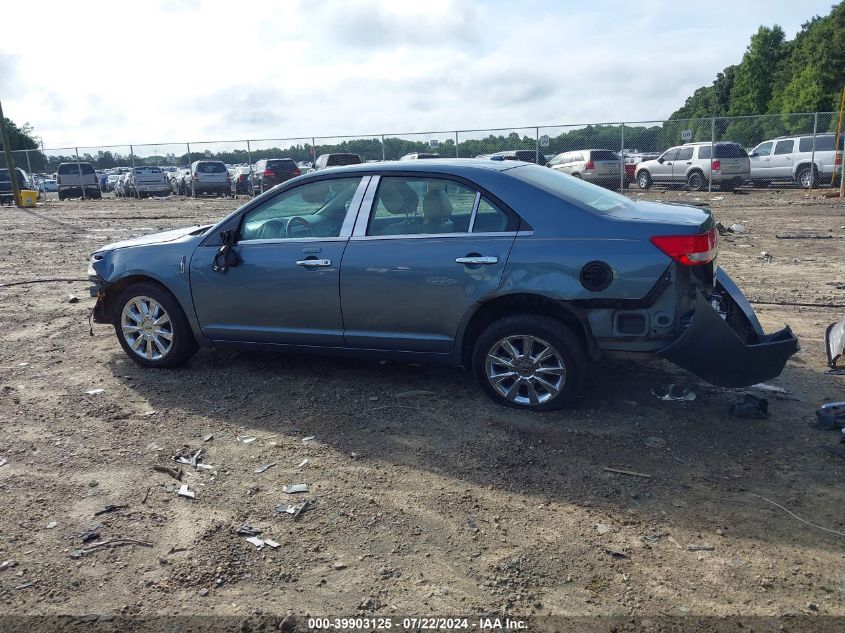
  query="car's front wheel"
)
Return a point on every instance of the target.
[
  {"x": 152, "y": 328},
  {"x": 644, "y": 179},
  {"x": 695, "y": 181},
  {"x": 529, "y": 362}
]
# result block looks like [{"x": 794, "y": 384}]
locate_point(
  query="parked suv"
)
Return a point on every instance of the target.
[
  {"x": 691, "y": 164},
  {"x": 792, "y": 158},
  {"x": 210, "y": 176},
  {"x": 599, "y": 166},
  {"x": 7, "y": 195},
  {"x": 525, "y": 155},
  {"x": 337, "y": 160},
  {"x": 274, "y": 171},
  {"x": 74, "y": 178},
  {"x": 148, "y": 180}
]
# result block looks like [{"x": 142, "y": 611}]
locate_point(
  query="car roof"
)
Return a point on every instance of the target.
[{"x": 450, "y": 166}]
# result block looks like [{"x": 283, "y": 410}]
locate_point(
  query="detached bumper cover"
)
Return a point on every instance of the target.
[{"x": 711, "y": 349}]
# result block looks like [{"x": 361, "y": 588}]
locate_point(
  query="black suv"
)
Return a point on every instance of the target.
[
  {"x": 273, "y": 171},
  {"x": 6, "y": 194}
]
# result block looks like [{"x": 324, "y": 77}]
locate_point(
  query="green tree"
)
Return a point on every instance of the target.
[{"x": 752, "y": 86}]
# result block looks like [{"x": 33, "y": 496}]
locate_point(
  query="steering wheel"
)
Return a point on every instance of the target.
[{"x": 297, "y": 220}]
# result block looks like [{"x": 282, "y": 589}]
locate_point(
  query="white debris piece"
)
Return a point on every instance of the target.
[
  {"x": 305, "y": 440},
  {"x": 184, "y": 492},
  {"x": 271, "y": 543},
  {"x": 303, "y": 463},
  {"x": 255, "y": 541},
  {"x": 246, "y": 440},
  {"x": 738, "y": 228},
  {"x": 94, "y": 392},
  {"x": 51, "y": 525},
  {"x": 294, "y": 488}
]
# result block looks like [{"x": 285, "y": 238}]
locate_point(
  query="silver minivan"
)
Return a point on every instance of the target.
[
  {"x": 791, "y": 157},
  {"x": 691, "y": 164},
  {"x": 598, "y": 166},
  {"x": 210, "y": 176}
]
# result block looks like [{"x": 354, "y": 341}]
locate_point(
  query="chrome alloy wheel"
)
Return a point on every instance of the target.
[
  {"x": 147, "y": 328},
  {"x": 525, "y": 369}
]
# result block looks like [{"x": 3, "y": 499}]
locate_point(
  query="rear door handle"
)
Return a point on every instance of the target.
[
  {"x": 477, "y": 261},
  {"x": 309, "y": 263}
]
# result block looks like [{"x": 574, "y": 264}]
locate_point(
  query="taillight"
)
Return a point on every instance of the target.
[
  {"x": 269, "y": 173},
  {"x": 716, "y": 165},
  {"x": 297, "y": 172},
  {"x": 590, "y": 165},
  {"x": 241, "y": 178},
  {"x": 838, "y": 159},
  {"x": 689, "y": 250}
]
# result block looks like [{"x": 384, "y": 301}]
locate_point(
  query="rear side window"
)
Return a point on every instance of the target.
[
  {"x": 414, "y": 206},
  {"x": 339, "y": 160},
  {"x": 823, "y": 143},
  {"x": 211, "y": 168},
  {"x": 784, "y": 147},
  {"x": 491, "y": 219},
  {"x": 573, "y": 190},
  {"x": 603, "y": 154}
]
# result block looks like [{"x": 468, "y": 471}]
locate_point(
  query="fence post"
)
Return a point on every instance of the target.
[
  {"x": 29, "y": 169},
  {"x": 457, "y": 153},
  {"x": 79, "y": 169},
  {"x": 813, "y": 155},
  {"x": 537, "y": 145},
  {"x": 313, "y": 152},
  {"x": 622, "y": 160},
  {"x": 712, "y": 153},
  {"x": 188, "y": 145},
  {"x": 251, "y": 176},
  {"x": 44, "y": 165},
  {"x": 382, "y": 149}
]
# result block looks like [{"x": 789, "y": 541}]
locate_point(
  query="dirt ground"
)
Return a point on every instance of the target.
[{"x": 427, "y": 498}]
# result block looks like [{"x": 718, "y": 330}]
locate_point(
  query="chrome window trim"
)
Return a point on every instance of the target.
[
  {"x": 428, "y": 236},
  {"x": 345, "y": 228},
  {"x": 293, "y": 240},
  {"x": 474, "y": 211}
]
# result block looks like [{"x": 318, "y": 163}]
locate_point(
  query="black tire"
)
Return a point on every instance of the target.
[
  {"x": 644, "y": 179},
  {"x": 578, "y": 176},
  {"x": 184, "y": 345},
  {"x": 695, "y": 181},
  {"x": 194, "y": 192},
  {"x": 551, "y": 332},
  {"x": 806, "y": 178},
  {"x": 61, "y": 196}
]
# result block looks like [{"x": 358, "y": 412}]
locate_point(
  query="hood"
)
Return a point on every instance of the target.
[{"x": 156, "y": 238}]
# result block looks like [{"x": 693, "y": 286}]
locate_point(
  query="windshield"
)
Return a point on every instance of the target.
[{"x": 573, "y": 190}]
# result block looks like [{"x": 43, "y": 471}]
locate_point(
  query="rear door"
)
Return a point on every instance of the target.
[
  {"x": 681, "y": 164},
  {"x": 782, "y": 159},
  {"x": 428, "y": 249}
]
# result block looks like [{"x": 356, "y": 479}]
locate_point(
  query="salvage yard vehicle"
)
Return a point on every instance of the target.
[
  {"x": 599, "y": 166},
  {"x": 148, "y": 180},
  {"x": 210, "y": 176},
  {"x": 270, "y": 172},
  {"x": 24, "y": 182},
  {"x": 801, "y": 160},
  {"x": 517, "y": 272},
  {"x": 690, "y": 164},
  {"x": 74, "y": 178},
  {"x": 324, "y": 161}
]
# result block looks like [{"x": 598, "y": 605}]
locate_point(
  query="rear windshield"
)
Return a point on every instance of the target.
[
  {"x": 211, "y": 168},
  {"x": 338, "y": 160},
  {"x": 573, "y": 190},
  {"x": 147, "y": 170},
  {"x": 281, "y": 163},
  {"x": 723, "y": 150},
  {"x": 73, "y": 168},
  {"x": 823, "y": 143},
  {"x": 603, "y": 154}
]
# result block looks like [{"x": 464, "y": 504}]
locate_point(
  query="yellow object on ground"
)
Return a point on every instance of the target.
[{"x": 28, "y": 198}]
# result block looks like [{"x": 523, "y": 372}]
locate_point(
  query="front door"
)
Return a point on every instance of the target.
[
  {"x": 429, "y": 249},
  {"x": 760, "y": 159},
  {"x": 662, "y": 171},
  {"x": 285, "y": 289}
]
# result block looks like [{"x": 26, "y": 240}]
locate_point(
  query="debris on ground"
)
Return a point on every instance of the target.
[
  {"x": 700, "y": 548},
  {"x": 208, "y": 437},
  {"x": 750, "y": 407},
  {"x": 307, "y": 439},
  {"x": 271, "y": 543},
  {"x": 185, "y": 492},
  {"x": 51, "y": 525},
  {"x": 655, "y": 442},
  {"x": 91, "y": 534},
  {"x": 246, "y": 440},
  {"x": 302, "y": 509},
  {"x": 246, "y": 530},
  {"x": 110, "y": 508},
  {"x": 766, "y": 256},
  {"x": 293, "y": 509},
  {"x": 616, "y": 553},
  {"x": 7, "y": 563},
  {"x": 255, "y": 541},
  {"x": 286, "y": 508},
  {"x": 738, "y": 228},
  {"x": 94, "y": 392},
  {"x": 602, "y": 529},
  {"x": 72, "y": 298},
  {"x": 264, "y": 468},
  {"x": 773, "y": 389},
  {"x": 3, "y": 461},
  {"x": 117, "y": 542},
  {"x": 723, "y": 230},
  {"x": 672, "y": 394},
  {"x": 834, "y": 339},
  {"x": 622, "y": 471},
  {"x": 176, "y": 473},
  {"x": 301, "y": 464},
  {"x": 831, "y": 415},
  {"x": 189, "y": 456},
  {"x": 292, "y": 489}
]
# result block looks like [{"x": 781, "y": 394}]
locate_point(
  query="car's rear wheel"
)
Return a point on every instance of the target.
[
  {"x": 695, "y": 181},
  {"x": 806, "y": 177},
  {"x": 151, "y": 326},
  {"x": 529, "y": 362},
  {"x": 644, "y": 179}
]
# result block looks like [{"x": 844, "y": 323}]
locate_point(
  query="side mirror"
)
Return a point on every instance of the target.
[
  {"x": 660, "y": 160},
  {"x": 753, "y": 154},
  {"x": 226, "y": 257}
]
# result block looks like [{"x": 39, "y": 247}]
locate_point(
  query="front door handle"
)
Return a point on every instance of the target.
[
  {"x": 477, "y": 261},
  {"x": 309, "y": 263}
]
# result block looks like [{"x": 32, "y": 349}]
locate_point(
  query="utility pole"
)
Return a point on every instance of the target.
[{"x": 7, "y": 151}]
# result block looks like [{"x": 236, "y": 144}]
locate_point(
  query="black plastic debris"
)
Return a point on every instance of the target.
[
  {"x": 831, "y": 415},
  {"x": 91, "y": 534},
  {"x": 751, "y": 408},
  {"x": 247, "y": 530}
]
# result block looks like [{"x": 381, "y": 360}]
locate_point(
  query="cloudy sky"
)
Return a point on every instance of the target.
[{"x": 99, "y": 73}]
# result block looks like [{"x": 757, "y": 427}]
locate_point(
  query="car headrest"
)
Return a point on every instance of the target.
[
  {"x": 315, "y": 192},
  {"x": 397, "y": 197},
  {"x": 436, "y": 206}
]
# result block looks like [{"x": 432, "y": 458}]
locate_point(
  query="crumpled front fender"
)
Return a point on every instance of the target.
[{"x": 711, "y": 349}]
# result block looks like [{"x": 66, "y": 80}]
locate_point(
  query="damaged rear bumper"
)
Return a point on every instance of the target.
[{"x": 732, "y": 352}]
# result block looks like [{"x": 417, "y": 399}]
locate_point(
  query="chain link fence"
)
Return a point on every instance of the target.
[{"x": 777, "y": 150}]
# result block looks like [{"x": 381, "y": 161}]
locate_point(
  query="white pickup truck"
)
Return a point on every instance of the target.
[
  {"x": 74, "y": 178},
  {"x": 148, "y": 180}
]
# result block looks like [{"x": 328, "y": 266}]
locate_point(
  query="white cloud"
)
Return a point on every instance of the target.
[{"x": 103, "y": 73}]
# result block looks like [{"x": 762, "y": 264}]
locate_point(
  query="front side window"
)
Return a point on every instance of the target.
[
  {"x": 784, "y": 147},
  {"x": 670, "y": 154},
  {"x": 764, "y": 149},
  {"x": 415, "y": 205},
  {"x": 315, "y": 209}
]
